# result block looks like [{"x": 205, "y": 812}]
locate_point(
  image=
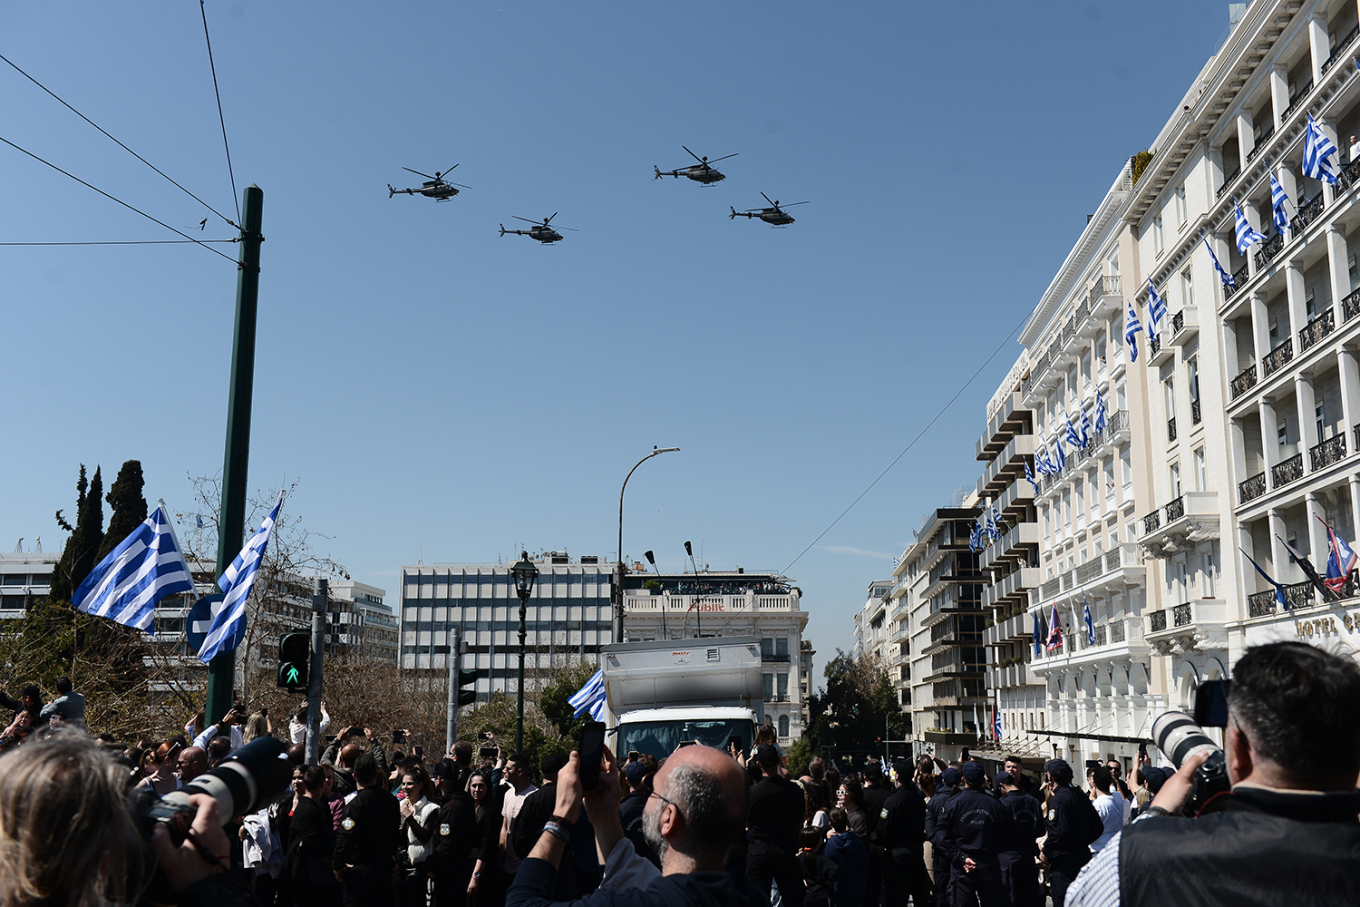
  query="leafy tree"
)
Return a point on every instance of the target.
[
  {"x": 798, "y": 755},
  {"x": 78, "y": 557},
  {"x": 129, "y": 507},
  {"x": 858, "y": 706}
]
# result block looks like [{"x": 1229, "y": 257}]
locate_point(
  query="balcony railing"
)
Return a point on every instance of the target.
[
  {"x": 1117, "y": 631},
  {"x": 1100, "y": 635},
  {"x": 1252, "y": 488},
  {"x": 1316, "y": 329},
  {"x": 1308, "y": 212},
  {"x": 1228, "y": 181},
  {"x": 1356, "y": 430},
  {"x": 1269, "y": 249},
  {"x": 776, "y": 657},
  {"x": 1103, "y": 286},
  {"x": 1152, "y": 522},
  {"x": 1299, "y": 595},
  {"x": 1239, "y": 280},
  {"x": 1180, "y": 615},
  {"x": 1350, "y": 306},
  {"x": 1194, "y": 412},
  {"x": 1171, "y": 429},
  {"x": 1287, "y": 471},
  {"x": 1176, "y": 509},
  {"x": 1296, "y": 98},
  {"x": 1244, "y": 382},
  {"x": 1260, "y": 604},
  {"x": 1177, "y": 323},
  {"x": 1339, "y": 49},
  {"x": 1156, "y": 621},
  {"x": 1333, "y": 450},
  {"x": 1350, "y": 173},
  {"x": 1277, "y": 358}
]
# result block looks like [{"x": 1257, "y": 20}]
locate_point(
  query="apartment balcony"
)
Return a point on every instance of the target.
[
  {"x": 1010, "y": 418},
  {"x": 1350, "y": 306},
  {"x": 1269, "y": 249},
  {"x": 1160, "y": 351},
  {"x": 1296, "y": 595},
  {"x": 1277, "y": 358},
  {"x": 1287, "y": 471},
  {"x": 1192, "y": 626},
  {"x": 1250, "y": 489},
  {"x": 1317, "y": 329},
  {"x": 1244, "y": 381},
  {"x": 1309, "y": 210},
  {"x": 1240, "y": 277},
  {"x": 1007, "y": 466},
  {"x": 1296, "y": 99},
  {"x": 1020, "y": 541},
  {"x": 1190, "y": 518},
  {"x": 1339, "y": 51},
  {"x": 1013, "y": 588},
  {"x": 1104, "y": 299},
  {"x": 1184, "y": 326},
  {"x": 1228, "y": 181},
  {"x": 1013, "y": 675},
  {"x": 1012, "y": 629},
  {"x": 1114, "y": 569},
  {"x": 1333, "y": 450}
]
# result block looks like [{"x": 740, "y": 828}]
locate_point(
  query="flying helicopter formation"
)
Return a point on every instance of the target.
[{"x": 441, "y": 190}]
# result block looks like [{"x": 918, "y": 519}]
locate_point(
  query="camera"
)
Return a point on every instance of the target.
[{"x": 1177, "y": 735}]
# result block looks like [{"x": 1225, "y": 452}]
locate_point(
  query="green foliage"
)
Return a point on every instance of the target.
[
  {"x": 129, "y": 507},
  {"x": 1139, "y": 163},
  {"x": 859, "y": 704},
  {"x": 78, "y": 556},
  {"x": 498, "y": 716},
  {"x": 652, "y": 585},
  {"x": 798, "y": 755},
  {"x": 552, "y": 700}
]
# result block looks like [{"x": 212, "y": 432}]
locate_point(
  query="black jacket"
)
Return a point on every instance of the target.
[
  {"x": 311, "y": 841},
  {"x": 534, "y": 884},
  {"x": 902, "y": 821},
  {"x": 973, "y": 824},
  {"x": 456, "y": 836},
  {"x": 370, "y": 831},
  {"x": 534, "y": 813},
  {"x": 1072, "y": 823},
  {"x": 1027, "y": 822}
]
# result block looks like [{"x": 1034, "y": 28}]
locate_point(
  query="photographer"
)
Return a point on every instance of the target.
[{"x": 1287, "y": 833}]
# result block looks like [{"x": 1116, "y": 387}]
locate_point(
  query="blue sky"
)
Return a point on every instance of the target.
[{"x": 435, "y": 387}]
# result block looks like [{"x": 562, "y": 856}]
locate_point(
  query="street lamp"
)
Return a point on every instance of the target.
[
  {"x": 524, "y": 573},
  {"x": 618, "y": 584}
]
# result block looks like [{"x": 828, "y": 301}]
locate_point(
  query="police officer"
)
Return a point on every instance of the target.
[
  {"x": 455, "y": 836},
  {"x": 1073, "y": 824},
  {"x": 974, "y": 826},
  {"x": 948, "y": 787},
  {"x": 366, "y": 846},
  {"x": 901, "y": 834},
  {"x": 1018, "y": 872}
]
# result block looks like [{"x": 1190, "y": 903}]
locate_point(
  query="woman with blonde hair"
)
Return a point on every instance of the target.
[{"x": 257, "y": 725}]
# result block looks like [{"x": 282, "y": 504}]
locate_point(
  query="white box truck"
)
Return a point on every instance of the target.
[{"x": 669, "y": 691}]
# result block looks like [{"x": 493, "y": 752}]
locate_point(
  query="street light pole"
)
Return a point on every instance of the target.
[
  {"x": 617, "y": 594},
  {"x": 524, "y": 572}
]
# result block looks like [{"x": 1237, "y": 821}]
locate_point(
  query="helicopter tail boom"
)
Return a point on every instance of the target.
[{"x": 390, "y": 191}]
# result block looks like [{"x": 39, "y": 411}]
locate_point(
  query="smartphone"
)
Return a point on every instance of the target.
[
  {"x": 398, "y": 736},
  {"x": 734, "y": 743},
  {"x": 1142, "y": 751},
  {"x": 965, "y": 757},
  {"x": 419, "y": 751},
  {"x": 592, "y": 753},
  {"x": 486, "y": 752}
]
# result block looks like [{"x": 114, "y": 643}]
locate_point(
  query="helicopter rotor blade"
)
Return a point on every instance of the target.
[
  {"x": 450, "y": 170},
  {"x": 418, "y": 173},
  {"x": 548, "y": 220},
  {"x": 459, "y": 184},
  {"x": 767, "y": 198},
  {"x": 572, "y": 229},
  {"x": 724, "y": 157},
  {"x": 693, "y": 155},
  {"x": 525, "y": 219},
  {"x": 791, "y": 204}
]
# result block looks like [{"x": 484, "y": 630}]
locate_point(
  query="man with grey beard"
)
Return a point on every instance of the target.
[{"x": 694, "y": 816}]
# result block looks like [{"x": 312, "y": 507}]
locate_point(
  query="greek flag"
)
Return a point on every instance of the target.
[
  {"x": 1156, "y": 309},
  {"x": 997, "y": 526},
  {"x": 1319, "y": 155},
  {"x": 974, "y": 538},
  {"x": 144, "y": 568},
  {"x": 1131, "y": 328},
  {"x": 1223, "y": 275},
  {"x": 1246, "y": 236},
  {"x": 1029, "y": 477},
  {"x": 590, "y": 698},
  {"x": 1085, "y": 428},
  {"x": 996, "y": 727},
  {"x": 236, "y": 583},
  {"x": 1277, "y": 203},
  {"x": 1061, "y": 458},
  {"x": 1100, "y": 412},
  {"x": 1072, "y": 437},
  {"x": 1086, "y": 616}
]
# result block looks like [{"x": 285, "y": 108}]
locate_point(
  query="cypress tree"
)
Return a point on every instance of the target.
[
  {"x": 129, "y": 507},
  {"x": 62, "y": 587},
  {"x": 89, "y": 532}
]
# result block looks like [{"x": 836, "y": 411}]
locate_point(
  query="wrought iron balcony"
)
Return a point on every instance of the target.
[
  {"x": 1171, "y": 429},
  {"x": 1350, "y": 306},
  {"x": 1176, "y": 509},
  {"x": 1157, "y": 621},
  {"x": 1261, "y": 140},
  {"x": 1194, "y": 412},
  {"x": 1286, "y": 471},
  {"x": 1117, "y": 631},
  {"x": 1339, "y": 49},
  {"x": 1269, "y": 249},
  {"x": 1244, "y": 381},
  {"x": 1152, "y": 522},
  {"x": 1100, "y": 635},
  {"x": 1296, "y": 98},
  {"x": 1261, "y": 604},
  {"x": 1356, "y": 429},
  {"x": 1277, "y": 358},
  {"x": 1333, "y": 450},
  {"x": 1180, "y": 615},
  {"x": 1239, "y": 279},
  {"x": 1316, "y": 329},
  {"x": 1308, "y": 212},
  {"x": 1252, "y": 488},
  {"x": 1177, "y": 323},
  {"x": 1228, "y": 181},
  {"x": 1190, "y": 518},
  {"x": 1299, "y": 595},
  {"x": 1350, "y": 173},
  {"x": 1155, "y": 346}
]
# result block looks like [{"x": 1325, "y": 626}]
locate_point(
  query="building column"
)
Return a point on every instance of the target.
[
  {"x": 1279, "y": 91},
  {"x": 1289, "y": 182},
  {"x": 1348, "y": 370},
  {"x": 1278, "y": 557},
  {"x": 1338, "y": 269},
  {"x": 1246, "y": 136},
  {"x": 1317, "y": 533},
  {"x": 1303, "y": 395},
  {"x": 1238, "y": 443},
  {"x": 1229, "y": 346},
  {"x": 1320, "y": 43},
  {"x": 1328, "y": 127},
  {"x": 1355, "y": 508},
  {"x": 1260, "y": 330},
  {"x": 1298, "y": 312},
  {"x": 1270, "y": 441}
]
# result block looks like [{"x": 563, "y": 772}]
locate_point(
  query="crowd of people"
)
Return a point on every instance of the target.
[{"x": 375, "y": 824}]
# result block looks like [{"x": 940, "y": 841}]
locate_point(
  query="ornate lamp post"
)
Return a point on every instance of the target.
[{"x": 524, "y": 572}]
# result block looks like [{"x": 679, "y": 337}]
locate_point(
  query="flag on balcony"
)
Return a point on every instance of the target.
[
  {"x": 1319, "y": 155},
  {"x": 1072, "y": 437},
  {"x": 1085, "y": 428},
  {"x": 1341, "y": 560},
  {"x": 1278, "y": 199},
  {"x": 1059, "y": 458},
  {"x": 1038, "y": 638},
  {"x": 1156, "y": 311},
  {"x": 996, "y": 725},
  {"x": 1131, "y": 328},
  {"x": 1029, "y": 477},
  {"x": 1246, "y": 236},
  {"x": 1279, "y": 589},
  {"x": 1100, "y": 412},
  {"x": 1054, "y": 631},
  {"x": 1309, "y": 571},
  {"x": 1223, "y": 275},
  {"x": 1086, "y": 618},
  {"x": 974, "y": 538}
]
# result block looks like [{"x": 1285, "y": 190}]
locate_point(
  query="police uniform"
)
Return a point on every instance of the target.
[
  {"x": 370, "y": 833},
  {"x": 455, "y": 836},
  {"x": 974, "y": 826},
  {"x": 939, "y": 861},
  {"x": 1018, "y": 872},
  {"x": 1072, "y": 824},
  {"x": 901, "y": 834}
]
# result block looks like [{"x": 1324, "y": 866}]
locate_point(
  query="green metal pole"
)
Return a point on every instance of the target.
[
  {"x": 231, "y": 528},
  {"x": 519, "y": 725}
]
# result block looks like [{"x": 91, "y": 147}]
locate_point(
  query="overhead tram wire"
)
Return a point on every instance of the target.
[
  {"x": 918, "y": 437},
  {"x": 200, "y": 242},
  {"x": 213, "y": 66},
  {"x": 124, "y": 242},
  {"x": 118, "y": 143}
]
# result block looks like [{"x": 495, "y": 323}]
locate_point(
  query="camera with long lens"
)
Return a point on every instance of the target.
[{"x": 1179, "y": 737}]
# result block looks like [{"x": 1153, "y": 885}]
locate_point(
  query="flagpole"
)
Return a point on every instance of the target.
[{"x": 193, "y": 587}]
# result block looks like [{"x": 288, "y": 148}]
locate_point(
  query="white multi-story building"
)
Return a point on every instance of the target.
[
  {"x": 23, "y": 578},
  {"x": 873, "y": 628}
]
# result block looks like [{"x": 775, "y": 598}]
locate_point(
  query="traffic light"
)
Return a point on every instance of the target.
[
  {"x": 295, "y": 650},
  {"x": 467, "y": 677}
]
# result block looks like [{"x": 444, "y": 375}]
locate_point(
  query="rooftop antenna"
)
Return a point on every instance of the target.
[
  {"x": 420, "y": 558},
  {"x": 37, "y": 545},
  {"x": 19, "y": 548}
]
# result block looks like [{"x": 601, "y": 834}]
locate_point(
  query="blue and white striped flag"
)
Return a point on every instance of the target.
[
  {"x": 1090, "y": 626},
  {"x": 1246, "y": 236},
  {"x": 1029, "y": 477},
  {"x": 1060, "y": 458},
  {"x": 1156, "y": 310},
  {"x": 236, "y": 582},
  {"x": 1100, "y": 411},
  {"x": 1131, "y": 328},
  {"x": 590, "y": 698},
  {"x": 1223, "y": 275},
  {"x": 1072, "y": 437},
  {"x": 1085, "y": 428},
  {"x": 1319, "y": 155},
  {"x": 1277, "y": 203},
  {"x": 144, "y": 568}
]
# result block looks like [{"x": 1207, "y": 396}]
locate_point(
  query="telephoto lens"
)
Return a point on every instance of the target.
[
  {"x": 1177, "y": 735},
  {"x": 245, "y": 782}
]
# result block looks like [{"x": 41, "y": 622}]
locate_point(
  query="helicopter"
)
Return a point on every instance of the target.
[
  {"x": 541, "y": 232},
  {"x": 434, "y": 187},
  {"x": 702, "y": 172},
  {"x": 775, "y": 215}
]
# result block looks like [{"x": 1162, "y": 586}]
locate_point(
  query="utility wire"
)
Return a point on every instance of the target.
[
  {"x": 119, "y": 201},
  {"x": 122, "y": 242},
  {"x": 918, "y": 437},
  {"x": 120, "y": 144},
  {"x": 211, "y": 65}
]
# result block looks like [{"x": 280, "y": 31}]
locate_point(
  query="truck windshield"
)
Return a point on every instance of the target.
[{"x": 660, "y": 738}]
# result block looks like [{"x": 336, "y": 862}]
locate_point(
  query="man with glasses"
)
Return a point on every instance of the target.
[
  {"x": 695, "y": 815},
  {"x": 193, "y": 761}
]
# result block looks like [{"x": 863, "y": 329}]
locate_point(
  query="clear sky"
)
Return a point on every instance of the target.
[{"x": 438, "y": 389}]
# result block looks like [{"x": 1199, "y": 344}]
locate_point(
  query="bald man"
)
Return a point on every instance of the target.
[
  {"x": 694, "y": 816},
  {"x": 193, "y": 761}
]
